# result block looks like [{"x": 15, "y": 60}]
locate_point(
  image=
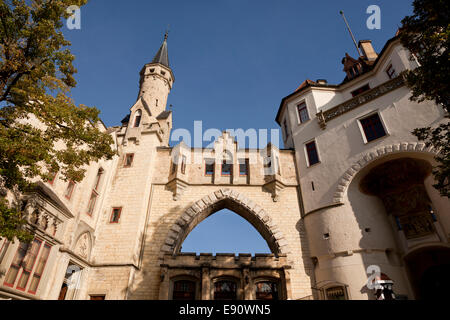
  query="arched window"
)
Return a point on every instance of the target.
[
  {"x": 137, "y": 119},
  {"x": 267, "y": 290},
  {"x": 225, "y": 290},
  {"x": 184, "y": 290}
]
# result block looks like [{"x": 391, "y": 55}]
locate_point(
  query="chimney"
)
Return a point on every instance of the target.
[
  {"x": 322, "y": 81},
  {"x": 367, "y": 49}
]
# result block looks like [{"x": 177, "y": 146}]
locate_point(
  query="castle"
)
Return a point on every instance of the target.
[{"x": 351, "y": 192}]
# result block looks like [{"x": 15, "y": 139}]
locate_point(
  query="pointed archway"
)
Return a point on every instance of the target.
[{"x": 225, "y": 199}]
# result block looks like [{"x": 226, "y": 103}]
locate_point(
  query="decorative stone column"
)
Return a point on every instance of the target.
[
  {"x": 206, "y": 283},
  {"x": 165, "y": 284},
  {"x": 246, "y": 280}
]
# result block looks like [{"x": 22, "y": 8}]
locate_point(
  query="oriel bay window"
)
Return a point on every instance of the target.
[{"x": 29, "y": 263}]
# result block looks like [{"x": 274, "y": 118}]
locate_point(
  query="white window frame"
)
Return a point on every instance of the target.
[
  {"x": 306, "y": 153},
  {"x": 361, "y": 129},
  {"x": 298, "y": 112}
]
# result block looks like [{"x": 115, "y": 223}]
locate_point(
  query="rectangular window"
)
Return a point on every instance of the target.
[
  {"x": 373, "y": 128},
  {"x": 313, "y": 155},
  {"x": 391, "y": 72},
  {"x": 278, "y": 168},
  {"x": 209, "y": 167},
  {"x": 183, "y": 165},
  {"x": 53, "y": 178},
  {"x": 227, "y": 168},
  {"x": 115, "y": 216},
  {"x": 91, "y": 204},
  {"x": 243, "y": 167},
  {"x": 268, "y": 170},
  {"x": 97, "y": 297},
  {"x": 69, "y": 189},
  {"x": 16, "y": 265},
  {"x": 98, "y": 179},
  {"x": 174, "y": 168},
  {"x": 28, "y": 264},
  {"x": 361, "y": 90},
  {"x": 128, "y": 160},
  {"x": 303, "y": 112},
  {"x": 4, "y": 243},
  {"x": 39, "y": 269}
]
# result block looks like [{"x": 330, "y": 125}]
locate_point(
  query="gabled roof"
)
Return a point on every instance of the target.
[
  {"x": 164, "y": 115},
  {"x": 305, "y": 83}
]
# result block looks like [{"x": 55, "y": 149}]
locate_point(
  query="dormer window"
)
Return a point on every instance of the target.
[{"x": 137, "y": 119}]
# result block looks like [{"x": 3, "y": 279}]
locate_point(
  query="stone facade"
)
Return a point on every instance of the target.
[{"x": 118, "y": 234}]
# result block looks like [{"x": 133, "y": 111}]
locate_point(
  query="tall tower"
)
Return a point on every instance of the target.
[
  {"x": 146, "y": 128},
  {"x": 149, "y": 111}
]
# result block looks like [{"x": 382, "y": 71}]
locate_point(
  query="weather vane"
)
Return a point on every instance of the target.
[{"x": 167, "y": 32}]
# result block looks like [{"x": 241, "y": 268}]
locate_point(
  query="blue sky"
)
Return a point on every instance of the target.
[{"x": 233, "y": 60}]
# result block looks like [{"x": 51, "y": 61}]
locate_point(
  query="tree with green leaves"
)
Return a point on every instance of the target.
[
  {"x": 426, "y": 35},
  {"x": 42, "y": 131}
]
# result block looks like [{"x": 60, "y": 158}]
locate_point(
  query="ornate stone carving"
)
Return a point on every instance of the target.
[
  {"x": 328, "y": 115},
  {"x": 83, "y": 246}
]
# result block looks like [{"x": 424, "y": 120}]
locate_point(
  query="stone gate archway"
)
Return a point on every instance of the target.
[
  {"x": 372, "y": 157},
  {"x": 225, "y": 199}
]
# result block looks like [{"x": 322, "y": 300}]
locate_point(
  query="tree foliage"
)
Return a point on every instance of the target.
[
  {"x": 426, "y": 35},
  {"x": 42, "y": 131}
]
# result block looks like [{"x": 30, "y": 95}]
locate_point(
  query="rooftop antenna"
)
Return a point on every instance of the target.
[{"x": 351, "y": 33}]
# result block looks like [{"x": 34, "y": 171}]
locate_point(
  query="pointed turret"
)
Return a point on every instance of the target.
[{"x": 162, "y": 56}]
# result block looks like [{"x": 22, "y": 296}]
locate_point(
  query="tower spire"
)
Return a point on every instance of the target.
[{"x": 162, "y": 56}]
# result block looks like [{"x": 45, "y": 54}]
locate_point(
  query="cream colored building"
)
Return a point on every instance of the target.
[{"x": 351, "y": 190}]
